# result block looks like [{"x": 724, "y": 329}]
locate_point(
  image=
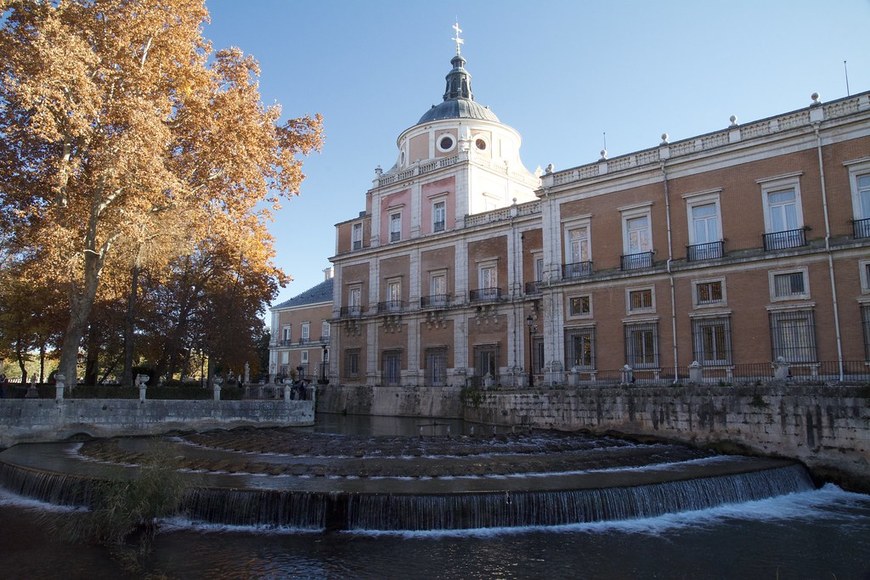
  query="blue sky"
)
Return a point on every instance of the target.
[{"x": 561, "y": 72}]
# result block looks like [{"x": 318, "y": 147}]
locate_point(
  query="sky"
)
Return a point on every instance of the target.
[{"x": 566, "y": 74}]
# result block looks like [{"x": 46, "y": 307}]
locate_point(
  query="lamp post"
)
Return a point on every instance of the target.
[
  {"x": 530, "y": 322},
  {"x": 323, "y": 363}
]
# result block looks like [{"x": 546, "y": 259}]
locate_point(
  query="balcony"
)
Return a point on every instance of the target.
[
  {"x": 285, "y": 342},
  {"x": 533, "y": 287},
  {"x": 708, "y": 251},
  {"x": 435, "y": 301},
  {"x": 351, "y": 311},
  {"x": 785, "y": 239},
  {"x": 576, "y": 270},
  {"x": 357, "y": 245},
  {"x": 485, "y": 295},
  {"x": 391, "y": 306},
  {"x": 304, "y": 341},
  {"x": 861, "y": 228},
  {"x": 637, "y": 261},
  {"x": 439, "y": 226}
]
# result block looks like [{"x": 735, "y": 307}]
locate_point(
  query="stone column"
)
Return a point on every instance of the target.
[
  {"x": 60, "y": 382},
  {"x": 142, "y": 383},
  {"x": 696, "y": 374}
]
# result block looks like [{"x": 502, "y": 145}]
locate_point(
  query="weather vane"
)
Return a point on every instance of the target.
[{"x": 457, "y": 39}]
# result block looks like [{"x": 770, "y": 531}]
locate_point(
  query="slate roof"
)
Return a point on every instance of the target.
[{"x": 316, "y": 295}]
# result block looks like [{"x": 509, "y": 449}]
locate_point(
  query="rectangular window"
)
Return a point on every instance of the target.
[
  {"x": 709, "y": 292},
  {"x": 395, "y": 227},
  {"x": 392, "y": 367},
  {"x": 324, "y": 330},
  {"x": 439, "y": 216},
  {"x": 487, "y": 283},
  {"x": 782, "y": 206},
  {"x": 304, "y": 358},
  {"x": 438, "y": 284},
  {"x": 863, "y": 187},
  {"x": 865, "y": 319},
  {"x": 394, "y": 295},
  {"x": 436, "y": 366},
  {"x": 351, "y": 363},
  {"x": 783, "y": 216},
  {"x": 640, "y": 300},
  {"x": 437, "y": 290},
  {"x": 637, "y": 235},
  {"x": 306, "y": 331},
  {"x": 357, "y": 236},
  {"x": 578, "y": 245},
  {"x": 793, "y": 336},
  {"x": 486, "y": 360},
  {"x": 864, "y": 274},
  {"x": 642, "y": 345},
  {"x": 580, "y": 305},
  {"x": 354, "y": 298},
  {"x": 539, "y": 268},
  {"x": 711, "y": 339},
  {"x": 286, "y": 334},
  {"x": 789, "y": 285},
  {"x": 705, "y": 224},
  {"x": 580, "y": 348}
]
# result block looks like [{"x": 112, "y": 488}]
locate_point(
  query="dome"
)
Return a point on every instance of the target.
[
  {"x": 458, "y": 101},
  {"x": 458, "y": 109}
]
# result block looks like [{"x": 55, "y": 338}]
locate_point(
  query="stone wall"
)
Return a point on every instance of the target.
[
  {"x": 442, "y": 402},
  {"x": 828, "y": 428},
  {"x": 39, "y": 420}
]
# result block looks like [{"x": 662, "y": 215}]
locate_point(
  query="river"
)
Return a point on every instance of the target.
[{"x": 822, "y": 533}]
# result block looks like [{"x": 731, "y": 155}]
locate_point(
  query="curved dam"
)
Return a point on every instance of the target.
[{"x": 325, "y": 481}]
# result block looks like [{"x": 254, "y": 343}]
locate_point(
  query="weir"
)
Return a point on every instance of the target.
[{"x": 312, "y": 481}]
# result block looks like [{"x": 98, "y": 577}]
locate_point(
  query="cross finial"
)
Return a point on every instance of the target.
[{"x": 456, "y": 38}]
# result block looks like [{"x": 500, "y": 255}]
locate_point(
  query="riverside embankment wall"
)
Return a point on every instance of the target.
[
  {"x": 827, "y": 428},
  {"x": 40, "y": 420}
]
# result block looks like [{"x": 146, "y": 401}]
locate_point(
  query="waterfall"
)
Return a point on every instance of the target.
[
  {"x": 451, "y": 510},
  {"x": 48, "y": 486},
  {"x": 531, "y": 508}
]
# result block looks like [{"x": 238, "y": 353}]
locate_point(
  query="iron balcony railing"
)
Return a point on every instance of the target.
[
  {"x": 285, "y": 342},
  {"x": 389, "y": 306},
  {"x": 357, "y": 244},
  {"x": 351, "y": 311},
  {"x": 435, "y": 301},
  {"x": 438, "y": 226},
  {"x": 576, "y": 270},
  {"x": 708, "y": 251},
  {"x": 484, "y": 295},
  {"x": 785, "y": 239},
  {"x": 861, "y": 228},
  {"x": 533, "y": 287},
  {"x": 637, "y": 261}
]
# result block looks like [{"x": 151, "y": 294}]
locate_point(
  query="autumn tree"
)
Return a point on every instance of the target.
[{"x": 115, "y": 113}]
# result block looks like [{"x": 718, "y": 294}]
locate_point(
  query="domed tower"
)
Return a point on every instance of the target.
[{"x": 459, "y": 150}]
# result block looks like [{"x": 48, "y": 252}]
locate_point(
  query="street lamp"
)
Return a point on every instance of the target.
[
  {"x": 530, "y": 322},
  {"x": 323, "y": 363}
]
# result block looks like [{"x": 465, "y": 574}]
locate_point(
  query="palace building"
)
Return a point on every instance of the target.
[{"x": 736, "y": 253}]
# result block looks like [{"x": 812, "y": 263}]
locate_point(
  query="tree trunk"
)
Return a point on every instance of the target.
[
  {"x": 130, "y": 326},
  {"x": 92, "y": 363},
  {"x": 81, "y": 304},
  {"x": 42, "y": 363}
]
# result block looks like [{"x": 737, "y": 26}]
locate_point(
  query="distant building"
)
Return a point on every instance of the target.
[
  {"x": 300, "y": 333},
  {"x": 730, "y": 251}
]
